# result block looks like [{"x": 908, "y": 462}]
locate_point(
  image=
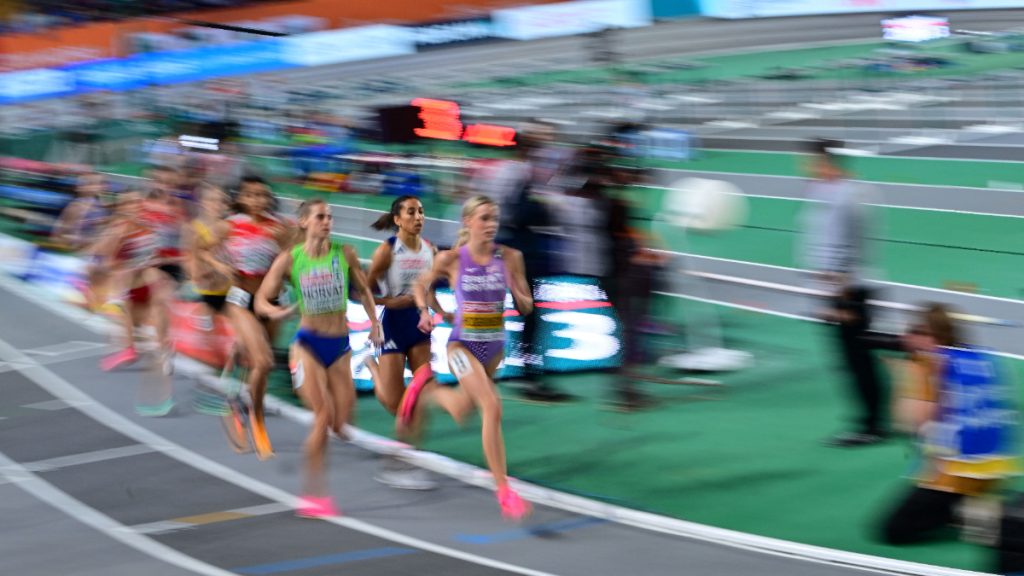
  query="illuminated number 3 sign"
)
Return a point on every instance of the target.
[
  {"x": 442, "y": 121},
  {"x": 490, "y": 135}
]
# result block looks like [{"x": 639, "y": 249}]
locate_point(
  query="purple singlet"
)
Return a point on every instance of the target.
[{"x": 480, "y": 301}]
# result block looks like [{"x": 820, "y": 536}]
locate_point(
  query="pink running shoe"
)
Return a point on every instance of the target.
[
  {"x": 513, "y": 507},
  {"x": 118, "y": 359},
  {"x": 412, "y": 394},
  {"x": 313, "y": 507}
]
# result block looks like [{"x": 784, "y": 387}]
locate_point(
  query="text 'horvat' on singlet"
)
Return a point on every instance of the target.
[{"x": 320, "y": 283}]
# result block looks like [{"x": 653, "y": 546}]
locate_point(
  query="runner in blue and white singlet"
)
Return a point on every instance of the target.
[
  {"x": 396, "y": 266},
  {"x": 407, "y": 265}
]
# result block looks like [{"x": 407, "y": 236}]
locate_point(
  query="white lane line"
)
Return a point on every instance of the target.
[
  {"x": 874, "y": 205},
  {"x": 889, "y": 206},
  {"x": 790, "y": 289},
  {"x": 761, "y": 284},
  {"x": 162, "y": 527},
  {"x": 945, "y": 291},
  {"x": 64, "y": 348},
  {"x": 804, "y": 179},
  {"x": 11, "y": 367},
  {"x": 87, "y": 458},
  {"x": 893, "y": 158},
  {"x": 363, "y": 209},
  {"x": 780, "y": 314},
  {"x": 63, "y": 390},
  {"x": 356, "y": 236},
  {"x": 47, "y": 405},
  {"x": 46, "y": 492},
  {"x": 743, "y": 307},
  {"x": 878, "y": 282}
]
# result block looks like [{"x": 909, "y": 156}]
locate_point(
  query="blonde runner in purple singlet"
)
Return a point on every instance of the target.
[{"x": 480, "y": 306}]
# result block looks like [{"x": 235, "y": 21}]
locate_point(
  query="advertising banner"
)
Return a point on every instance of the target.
[
  {"x": 347, "y": 45},
  {"x": 770, "y": 8},
  {"x": 452, "y": 32},
  {"x": 915, "y": 29},
  {"x": 64, "y": 45},
  {"x": 577, "y": 330},
  {"x": 568, "y": 18}
]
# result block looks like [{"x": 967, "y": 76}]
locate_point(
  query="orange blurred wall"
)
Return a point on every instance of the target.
[{"x": 57, "y": 46}]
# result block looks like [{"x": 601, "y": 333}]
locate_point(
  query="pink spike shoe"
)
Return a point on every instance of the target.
[
  {"x": 314, "y": 507},
  {"x": 412, "y": 395},
  {"x": 118, "y": 359},
  {"x": 513, "y": 507}
]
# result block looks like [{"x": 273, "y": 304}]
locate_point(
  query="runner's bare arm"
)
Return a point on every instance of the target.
[
  {"x": 434, "y": 304},
  {"x": 271, "y": 287},
  {"x": 515, "y": 272},
  {"x": 423, "y": 289},
  {"x": 369, "y": 305},
  {"x": 379, "y": 269},
  {"x": 66, "y": 222},
  {"x": 110, "y": 240}
]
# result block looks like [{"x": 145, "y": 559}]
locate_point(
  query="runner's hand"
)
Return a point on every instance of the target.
[
  {"x": 280, "y": 313},
  {"x": 426, "y": 324},
  {"x": 377, "y": 334}
]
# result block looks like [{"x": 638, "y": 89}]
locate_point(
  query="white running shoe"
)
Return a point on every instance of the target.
[{"x": 398, "y": 474}]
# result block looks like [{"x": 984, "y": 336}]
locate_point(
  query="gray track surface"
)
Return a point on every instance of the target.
[{"x": 149, "y": 488}]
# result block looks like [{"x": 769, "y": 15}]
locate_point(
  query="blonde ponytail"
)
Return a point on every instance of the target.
[{"x": 462, "y": 238}]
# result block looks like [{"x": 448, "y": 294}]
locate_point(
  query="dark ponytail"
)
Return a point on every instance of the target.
[{"x": 387, "y": 221}]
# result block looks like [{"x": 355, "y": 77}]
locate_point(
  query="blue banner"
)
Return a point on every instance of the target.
[
  {"x": 142, "y": 70},
  {"x": 29, "y": 85},
  {"x": 180, "y": 66}
]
